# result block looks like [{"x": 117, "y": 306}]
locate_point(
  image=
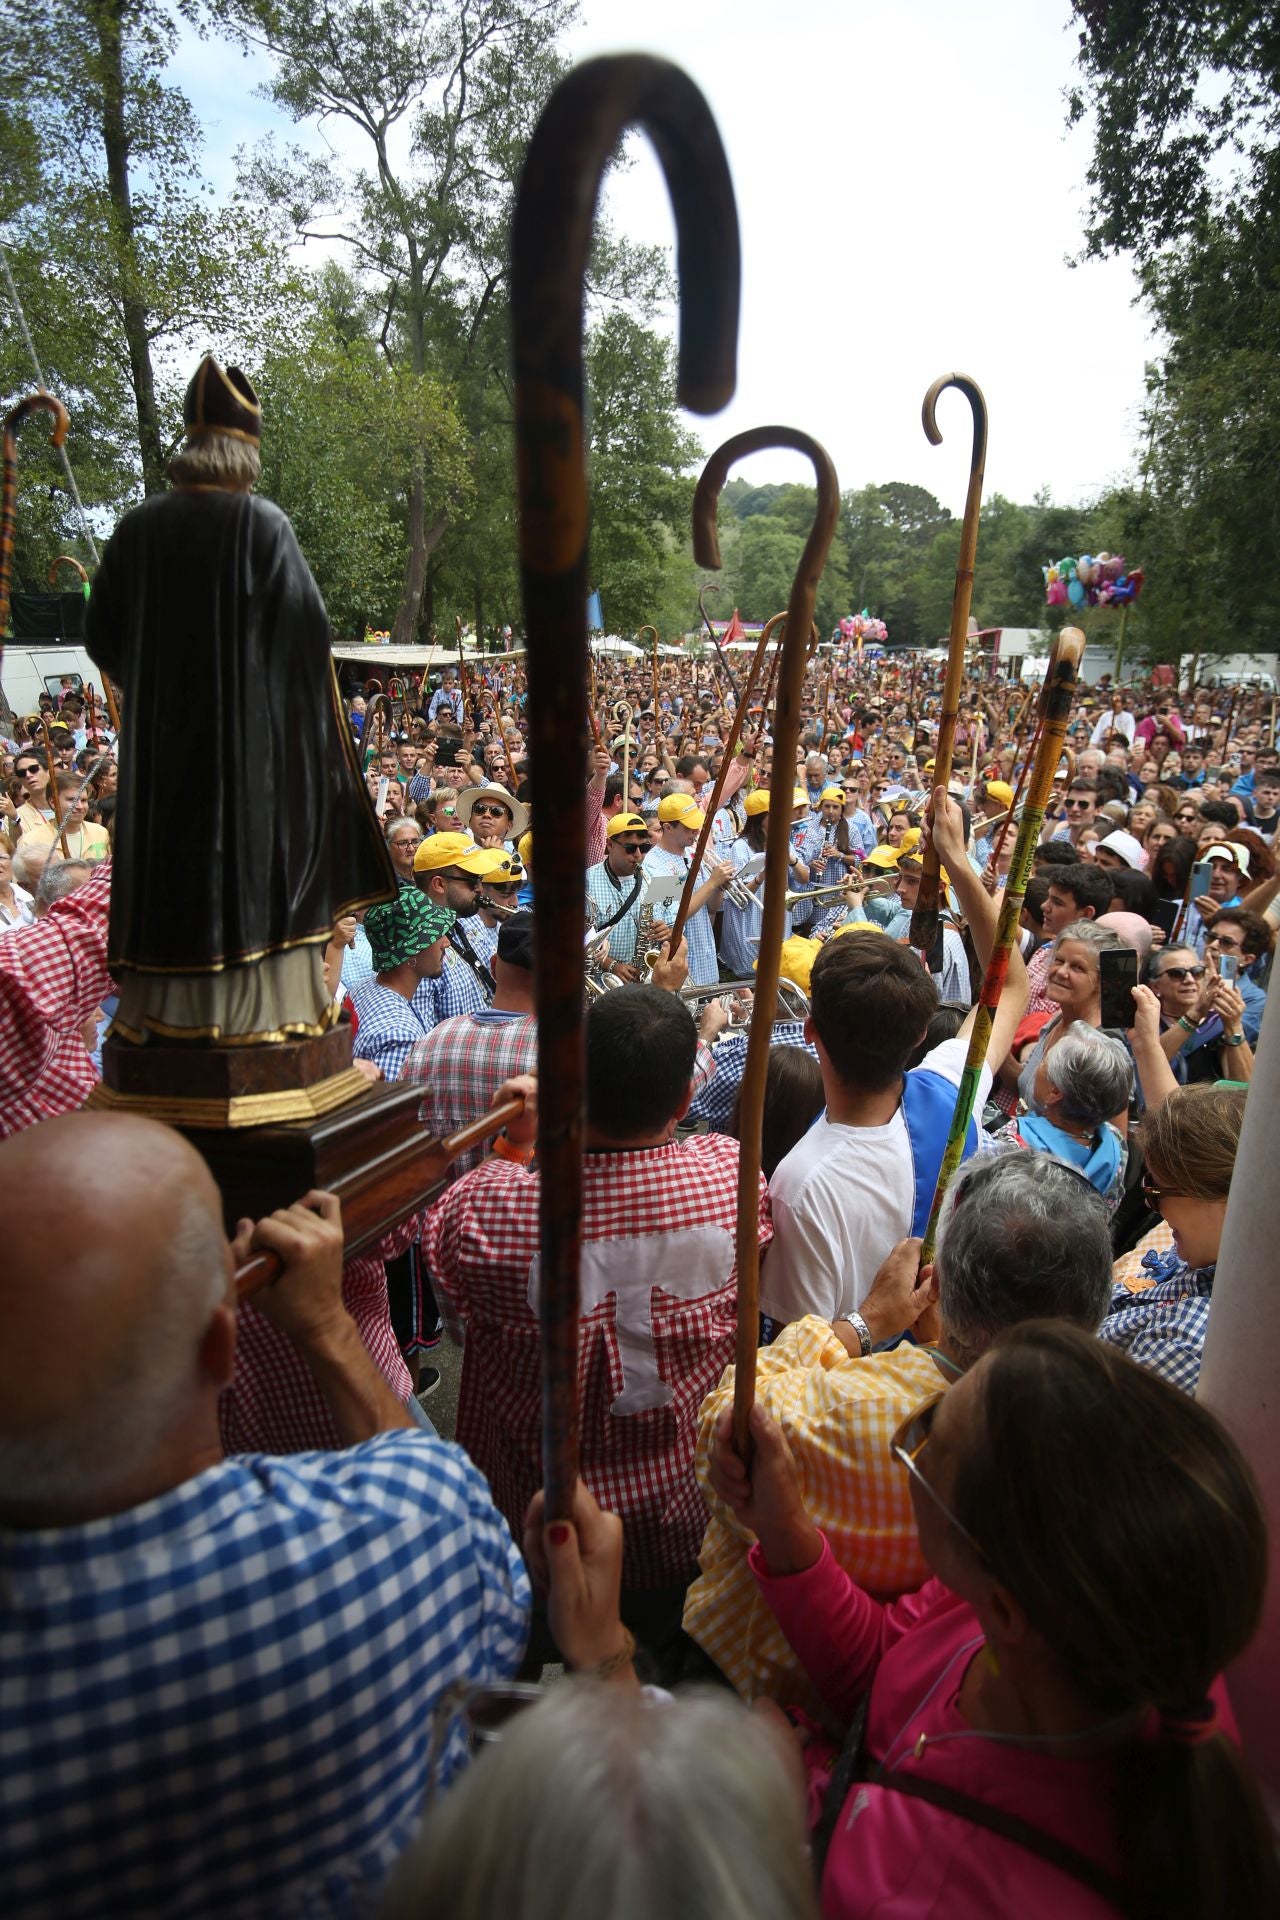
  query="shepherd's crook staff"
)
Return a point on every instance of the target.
[
  {"x": 1055, "y": 710},
  {"x": 924, "y": 917},
  {"x": 574, "y": 141},
  {"x": 34, "y": 403},
  {"x": 795, "y": 653}
]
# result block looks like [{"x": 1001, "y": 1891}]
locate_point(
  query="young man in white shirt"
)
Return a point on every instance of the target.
[{"x": 862, "y": 1177}]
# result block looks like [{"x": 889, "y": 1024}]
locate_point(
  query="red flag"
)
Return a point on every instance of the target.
[{"x": 734, "y": 631}]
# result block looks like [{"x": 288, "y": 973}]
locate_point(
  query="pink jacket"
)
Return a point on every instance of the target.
[{"x": 891, "y": 1856}]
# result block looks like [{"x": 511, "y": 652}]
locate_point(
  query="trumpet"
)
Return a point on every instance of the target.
[
  {"x": 816, "y": 893},
  {"x": 793, "y": 1001}
]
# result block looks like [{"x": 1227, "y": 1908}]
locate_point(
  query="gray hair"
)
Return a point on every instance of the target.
[
  {"x": 1090, "y": 934},
  {"x": 60, "y": 877},
  {"x": 216, "y": 460},
  {"x": 601, "y": 1802},
  {"x": 147, "y": 1381},
  {"x": 1093, "y": 1073},
  {"x": 1023, "y": 1237},
  {"x": 401, "y": 821},
  {"x": 29, "y": 859}
]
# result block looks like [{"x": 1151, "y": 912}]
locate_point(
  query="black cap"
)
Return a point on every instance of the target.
[{"x": 515, "y": 940}]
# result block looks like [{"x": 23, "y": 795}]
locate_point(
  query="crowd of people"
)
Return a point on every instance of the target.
[{"x": 269, "y": 1644}]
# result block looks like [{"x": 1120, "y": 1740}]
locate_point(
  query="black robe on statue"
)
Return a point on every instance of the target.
[{"x": 243, "y": 825}]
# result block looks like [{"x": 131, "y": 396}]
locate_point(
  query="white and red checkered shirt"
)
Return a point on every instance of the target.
[
  {"x": 273, "y": 1404},
  {"x": 53, "y": 977},
  {"x": 659, "y": 1302},
  {"x": 462, "y": 1063}
]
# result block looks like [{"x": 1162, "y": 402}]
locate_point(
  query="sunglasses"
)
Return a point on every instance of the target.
[
  {"x": 484, "y": 806},
  {"x": 24, "y": 773},
  {"x": 634, "y": 846},
  {"x": 1078, "y": 803},
  {"x": 1227, "y": 946},
  {"x": 906, "y": 1446},
  {"x": 502, "y": 886},
  {"x": 468, "y": 879},
  {"x": 1181, "y": 973}
]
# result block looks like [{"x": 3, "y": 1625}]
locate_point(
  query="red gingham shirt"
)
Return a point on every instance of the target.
[
  {"x": 53, "y": 977},
  {"x": 273, "y": 1404},
  {"x": 481, "y": 1243},
  {"x": 461, "y": 1064}
]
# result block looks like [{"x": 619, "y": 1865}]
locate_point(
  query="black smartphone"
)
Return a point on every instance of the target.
[
  {"x": 1165, "y": 914},
  {"x": 1118, "y": 968}
]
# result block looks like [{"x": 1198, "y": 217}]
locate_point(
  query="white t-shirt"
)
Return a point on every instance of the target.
[{"x": 842, "y": 1199}]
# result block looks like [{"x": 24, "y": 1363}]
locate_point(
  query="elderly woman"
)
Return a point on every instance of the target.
[
  {"x": 16, "y": 906},
  {"x": 1078, "y": 1085},
  {"x": 1074, "y": 984},
  {"x": 1189, "y": 1144},
  {"x": 1029, "y": 1745}
]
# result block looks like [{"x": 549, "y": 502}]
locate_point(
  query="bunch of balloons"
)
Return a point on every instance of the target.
[
  {"x": 1094, "y": 580},
  {"x": 377, "y": 639},
  {"x": 863, "y": 626}
]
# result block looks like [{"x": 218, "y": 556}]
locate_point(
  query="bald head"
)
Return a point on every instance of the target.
[{"x": 101, "y": 1364}]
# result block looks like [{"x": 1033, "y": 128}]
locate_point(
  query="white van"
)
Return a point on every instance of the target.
[{"x": 30, "y": 669}]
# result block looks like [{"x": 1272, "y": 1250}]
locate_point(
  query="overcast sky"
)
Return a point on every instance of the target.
[{"x": 908, "y": 196}]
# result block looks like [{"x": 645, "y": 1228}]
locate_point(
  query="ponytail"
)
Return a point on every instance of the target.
[{"x": 1195, "y": 1843}]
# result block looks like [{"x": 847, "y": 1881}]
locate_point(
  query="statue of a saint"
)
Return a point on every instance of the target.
[{"x": 243, "y": 829}]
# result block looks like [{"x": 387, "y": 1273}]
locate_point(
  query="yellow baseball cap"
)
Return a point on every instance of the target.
[
  {"x": 524, "y": 847},
  {"x": 626, "y": 823},
  {"x": 798, "y": 956},
  {"x": 681, "y": 808},
  {"x": 882, "y": 857},
  {"x": 503, "y": 869},
  {"x": 800, "y": 797},
  {"x": 757, "y": 801},
  {"x": 440, "y": 850},
  {"x": 1000, "y": 790},
  {"x": 832, "y": 793}
]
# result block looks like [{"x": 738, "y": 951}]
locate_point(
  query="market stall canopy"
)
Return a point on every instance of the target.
[{"x": 414, "y": 656}]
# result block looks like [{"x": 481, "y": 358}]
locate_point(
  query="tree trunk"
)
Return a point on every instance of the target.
[
  {"x": 115, "y": 140},
  {"x": 424, "y": 538}
]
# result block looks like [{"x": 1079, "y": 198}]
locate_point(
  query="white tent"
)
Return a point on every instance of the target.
[{"x": 613, "y": 643}]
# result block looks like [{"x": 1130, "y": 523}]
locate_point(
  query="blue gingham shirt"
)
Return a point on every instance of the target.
[
  {"x": 715, "y": 1100},
  {"x": 704, "y": 968},
  {"x": 606, "y": 892},
  {"x": 357, "y": 961},
  {"x": 220, "y": 1702},
  {"x": 1163, "y": 1329},
  {"x": 389, "y": 1027}
]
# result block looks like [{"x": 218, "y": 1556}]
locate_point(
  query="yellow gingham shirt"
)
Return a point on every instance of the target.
[{"x": 839, "y": 1414}]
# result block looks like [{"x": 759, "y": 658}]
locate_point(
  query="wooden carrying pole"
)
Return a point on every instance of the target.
[
  {"x": 574, "y": 142},
  {"x": 34, "y": 403},
  {"x": 924, "y": 916},
  {"x": 1055, "y": 711},
  {"x": 795, "y": 653},
  {"x": 726, "y": 761},
  {"x": 386, "y": 1190},
  {"x": 710, "y": 586}
]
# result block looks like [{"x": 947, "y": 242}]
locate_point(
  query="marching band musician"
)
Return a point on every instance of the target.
[
  {"x": 679, "y": 824},
  {"x": 615, "y": 888}
]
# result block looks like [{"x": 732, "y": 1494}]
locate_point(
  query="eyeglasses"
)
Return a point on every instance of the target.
[
  {"x": 1181, "y": 973},
  {"x": 906, "y": 1446},
  {"x": 1156, "y": 1196},
  {"x": 484, "y": 806},
  {"x": 1227, "y": 946}
]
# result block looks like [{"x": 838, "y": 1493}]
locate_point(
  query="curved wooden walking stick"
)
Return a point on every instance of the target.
[
  {"x": 712, "y": 586},
  {"x": 640, "y": 636},
  {"x": 1055, "y": 712},
  {"x": 54, "y": 800},
  {"x": 34, "y": 403},
  {"x": 383, "y": 731},
  {"x": 574, "y": 142},
  {"x": 693, "y": 877},
  {"x": 997, "y": 849},
  {"x": 924, "y": 916},
  {"x": 67, "y": 560},
  {"x": 798, "y": 647}
]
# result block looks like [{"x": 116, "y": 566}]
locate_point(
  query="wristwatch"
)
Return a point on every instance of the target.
[{"x": 1233, "y": 1039}]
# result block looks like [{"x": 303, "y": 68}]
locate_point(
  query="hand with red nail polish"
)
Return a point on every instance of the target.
[{"x": 578, "y": 1565}]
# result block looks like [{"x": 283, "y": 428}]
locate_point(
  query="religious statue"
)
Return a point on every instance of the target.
[{"x": 243, "y": 829}]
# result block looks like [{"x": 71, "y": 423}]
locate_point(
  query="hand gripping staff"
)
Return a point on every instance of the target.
[
  {"x": 924, "y": 917},
  {"x": 1055, "y": 711},
  {"x": 576, "y": 137},
  {"x": 794, "y": 653},
  {"x": 34, "y": 403}
]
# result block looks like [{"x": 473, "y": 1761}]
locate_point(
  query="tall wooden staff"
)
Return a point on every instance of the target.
[
  {"x": 711, "y": 587},
  {"x": 34, "y": 403},
  {"x": 640, "y": 636},
  {"x": 575, "y": 140},
  {"x": 998, "y": 845},
  {"x": 796, "y": 652},
  {"x": 462, "y": 668},
  {"x": 726, "y": 761},
  {"x": 924, "y": 917},
  {"x": 1055, "y": 710},
  {"x": 54, "y": 797}
]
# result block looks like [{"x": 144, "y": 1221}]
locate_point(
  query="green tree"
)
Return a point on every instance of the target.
[{"x": 124, "y": 261}]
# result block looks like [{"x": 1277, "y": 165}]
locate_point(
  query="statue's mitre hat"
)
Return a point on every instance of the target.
[{"x": 221, "y": 400}]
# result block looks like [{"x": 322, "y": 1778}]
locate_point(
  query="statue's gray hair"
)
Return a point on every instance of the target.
[{"x": 216, "y": 460}]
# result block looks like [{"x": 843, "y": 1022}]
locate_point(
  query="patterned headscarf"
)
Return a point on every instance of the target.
[{"x": 400, "y": 929}]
